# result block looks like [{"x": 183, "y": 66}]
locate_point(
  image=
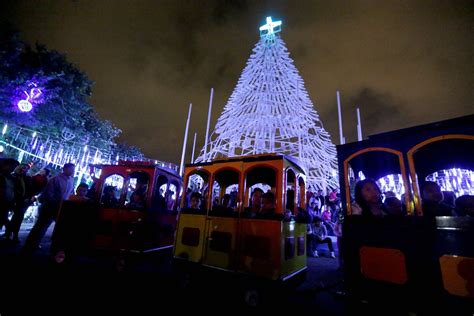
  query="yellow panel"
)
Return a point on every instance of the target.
[
  {"x": 192, "y": 247},
  {"x": 291, "y": 264},
  {"x": 458, "y": 275},
  {"x": 221, "y": 242}
]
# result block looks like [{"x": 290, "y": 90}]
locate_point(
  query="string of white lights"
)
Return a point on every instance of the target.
[{"x": 270, "y": 111}]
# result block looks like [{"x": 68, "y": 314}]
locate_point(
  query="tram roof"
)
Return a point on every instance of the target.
[
  {"x": 252, "y": 158},
  {"x": 138, "y": 165},
  {"x": 379, "y": 163},
  {"x": 406, "y": 138}
]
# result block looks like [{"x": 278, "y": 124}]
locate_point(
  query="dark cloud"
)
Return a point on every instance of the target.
[{"x": 402, "y": 62}]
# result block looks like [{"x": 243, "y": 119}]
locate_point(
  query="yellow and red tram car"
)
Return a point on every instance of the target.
[
  {"x": 223, "y": 237},
  {"x": 132, "y": 209},
  {"x": 417, "y": 259}
]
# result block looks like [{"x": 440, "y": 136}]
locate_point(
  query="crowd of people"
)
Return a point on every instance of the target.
[
  {"x": 19, "y": 190},
  {"x": 370, "y": 201}
]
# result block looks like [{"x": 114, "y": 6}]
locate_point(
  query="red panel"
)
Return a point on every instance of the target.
[{"x": 383, "y": 264}]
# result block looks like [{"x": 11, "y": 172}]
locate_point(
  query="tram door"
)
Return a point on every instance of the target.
[{"x": 222, "y": 222}]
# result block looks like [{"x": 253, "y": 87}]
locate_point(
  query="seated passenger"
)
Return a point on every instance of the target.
[
  {"x": 368, "y": 199},
  {"x": 225, "y": 206},
  {"x": 449, "y": 198},
  {"x": 432, "y": 201},
  {"x": 159, "y": 203},
  {"x": 137, "y": 201},
  {"x": 170, "y": 201},
  {"x": 108, "y": 197},
  {"x": 393, "y": 206},
  {"x": 255, "y": 204},
  {"x": 268, "y": 206},
  {"x": 81, "y": 193},
  {"x": 389, "y": 194},
  {"x": 465, "y": 205},
  {"x": 195, "y": 201},
  {"x": 138, "y": 197}
]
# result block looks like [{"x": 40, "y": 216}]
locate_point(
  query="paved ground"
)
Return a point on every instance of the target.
[{"x": 155, "y": 282}]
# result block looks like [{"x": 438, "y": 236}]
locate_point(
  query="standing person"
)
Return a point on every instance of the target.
[
  {"x": 321, "y": 203},
  {"x": 7, "y": 189},
  {"x": 58, "y": 189},
  {"x": 338, "y": 233},
  {"x": 39, "y": 181},
  {"x": 23, "y": 200}
]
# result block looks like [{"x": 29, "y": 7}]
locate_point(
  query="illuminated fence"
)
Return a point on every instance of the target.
[{"x": 25, "y": 144}]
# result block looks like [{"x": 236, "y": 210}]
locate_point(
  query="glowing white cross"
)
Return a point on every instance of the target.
[{"x": 270, "y": 28}]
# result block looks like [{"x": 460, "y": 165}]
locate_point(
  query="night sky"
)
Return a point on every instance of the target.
[{"x": 403, "y": 63}]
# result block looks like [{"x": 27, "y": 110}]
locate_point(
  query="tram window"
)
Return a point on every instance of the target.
[
  {"x": 302, "y": 193},
  {"x": 290, "y": 191},
  {"x": 448, "y": 165},
  {"x": 113, "y": 187},
  {"x": 457, "y": 188},
  {"x": 384, "y": 167},
  {"x": 198, "y": 183},
  {"x": 225, "y": 192},
  {"x": 290, "y": 246},
  {"x": 455, "y": 180},
  {"x": 391, "y": 186},
  {"x": 137, "y": 190},
  {"x": 263, "y": 178},
  {"x": 172, "y": 196},
  {"x": 159, "y": 201},
  {"x": 262, "y": 187}
]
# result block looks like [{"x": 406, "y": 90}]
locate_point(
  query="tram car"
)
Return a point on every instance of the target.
[
  {"x": 132, "y": 210},
  {"x": 218, "y": 229},
  {"x": 420, "y": 253}
]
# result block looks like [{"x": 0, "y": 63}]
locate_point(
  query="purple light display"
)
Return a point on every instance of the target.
[{"x": 29, "y": 97}]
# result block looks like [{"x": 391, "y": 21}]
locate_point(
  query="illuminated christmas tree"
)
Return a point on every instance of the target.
[{"x": 270, "y": 111}]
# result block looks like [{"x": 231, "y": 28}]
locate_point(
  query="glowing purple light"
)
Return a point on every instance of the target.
[{"x": 25, "y": 105}]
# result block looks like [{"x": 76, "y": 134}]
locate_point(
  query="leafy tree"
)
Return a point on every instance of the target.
[{"x": 63, "y": 103}]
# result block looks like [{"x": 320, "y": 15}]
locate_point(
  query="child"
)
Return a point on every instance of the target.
[{"x": 321, "y": 237}]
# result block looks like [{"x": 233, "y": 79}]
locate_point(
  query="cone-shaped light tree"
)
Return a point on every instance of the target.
[{"x": 270, "y": 111}]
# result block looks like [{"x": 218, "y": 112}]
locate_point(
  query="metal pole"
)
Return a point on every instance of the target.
[
  {"x": 359, "y": 126},
  {"x": 341, "y": 136},
  {"x": 208, "y": 123},
  {"x": 181, "y": 167},
  {"x": 194, "y": 147}
]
